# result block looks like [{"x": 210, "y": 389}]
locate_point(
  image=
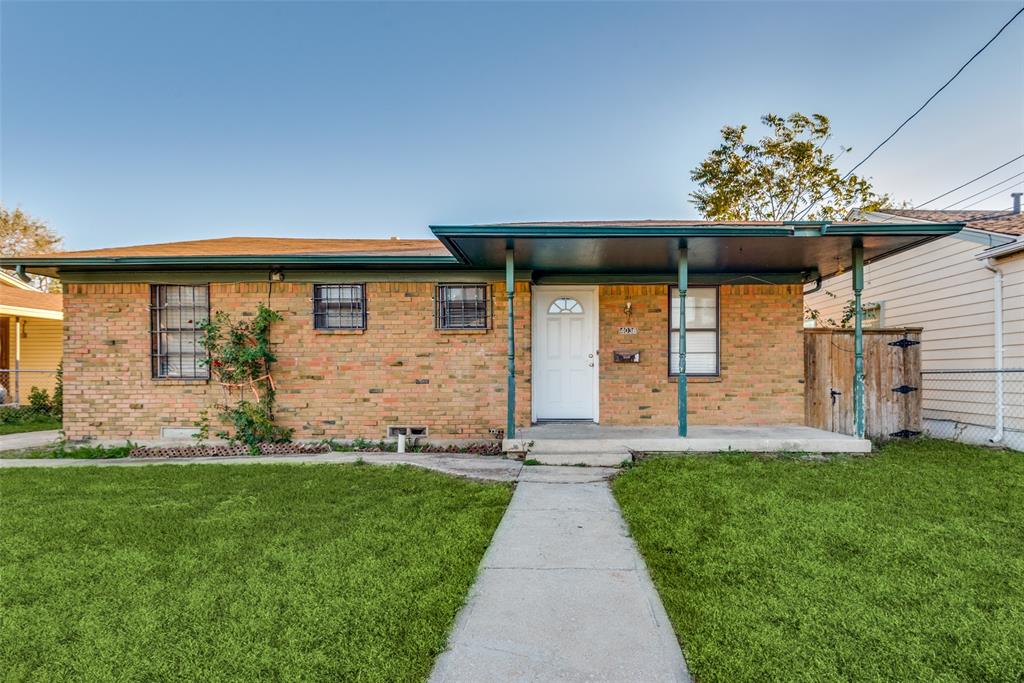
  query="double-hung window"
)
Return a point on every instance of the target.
[
  {"x": 462, "y": 307},
  {"x": 177, "y": 313},
  {"x": 339, "y": 307},
  {"x": 701, "y": 331}
]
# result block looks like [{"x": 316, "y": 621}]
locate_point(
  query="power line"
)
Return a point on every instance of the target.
[
  {"x": 995, "y": 194},
  {"x": 973, "y": 180},
  {"x": 921, "y": 108},
  {"x": 1004, "y": 180}
]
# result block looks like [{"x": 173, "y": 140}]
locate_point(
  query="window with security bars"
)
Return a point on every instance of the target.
[
  {"x": 701, "y": 331},
  {"x": 462, "y": 307},
  {"x": 339, "y": 307},
  {"x": 176, "y": 315}
]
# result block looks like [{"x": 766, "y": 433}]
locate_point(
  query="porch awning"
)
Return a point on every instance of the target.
[{"x": 808, "y": 249}]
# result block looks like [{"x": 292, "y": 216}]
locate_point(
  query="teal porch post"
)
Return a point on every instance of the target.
[
  {"x": 858, "y": 340},
  {"x": 683, "y": 278},
  {"x": 510, "y": 289}
]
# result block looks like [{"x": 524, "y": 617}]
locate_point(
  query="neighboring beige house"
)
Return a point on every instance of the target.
[
  {"x": 31, "y": 336},
  {"x": 967, "y": 292}
]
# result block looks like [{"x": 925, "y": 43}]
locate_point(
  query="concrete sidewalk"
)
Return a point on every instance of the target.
[
  {"x": 26, "y": 440},
  {"x": 562, "y": 594}
]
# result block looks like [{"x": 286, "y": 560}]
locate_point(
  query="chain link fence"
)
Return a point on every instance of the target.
[
  {"x": 16, "y": 385},
  {"x": 975, "y": 406}
]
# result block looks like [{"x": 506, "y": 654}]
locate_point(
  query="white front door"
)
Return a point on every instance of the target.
[{"x": 565, "y": 366}]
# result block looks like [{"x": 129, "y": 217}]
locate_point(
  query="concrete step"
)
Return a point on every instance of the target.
[
  {"x": 589, "y": 458},
  {"x": 565, "y": 446}
]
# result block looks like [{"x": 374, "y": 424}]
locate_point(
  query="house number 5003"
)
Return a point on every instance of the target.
[{"x": 628, "y": 330}]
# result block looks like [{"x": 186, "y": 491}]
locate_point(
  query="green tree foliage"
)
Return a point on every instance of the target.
[
  {"x": 776, "y": 177},
  {"x": 20, "y": 234}
]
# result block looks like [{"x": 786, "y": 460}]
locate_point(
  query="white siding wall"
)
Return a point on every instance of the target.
[
  {"x": 1013, "y": 310},
  {"x": 941, "y": 287}
]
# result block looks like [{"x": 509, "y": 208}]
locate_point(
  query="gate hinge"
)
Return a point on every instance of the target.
[
  {"x": 904, "y": 343},
  {"x": 905, "y": 434},
  {"x": 904, "y": 389}
]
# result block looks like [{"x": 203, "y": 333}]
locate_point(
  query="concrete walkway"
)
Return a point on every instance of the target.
[
  {"x": 562, "y": 594},
  {"x": 25, "y": 440}
]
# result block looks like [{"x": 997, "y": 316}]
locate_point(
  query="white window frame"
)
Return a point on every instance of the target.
[{"x": 673, "y": 330}]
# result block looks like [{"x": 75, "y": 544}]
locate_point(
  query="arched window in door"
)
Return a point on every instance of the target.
[{"x": 565, "y": 305}]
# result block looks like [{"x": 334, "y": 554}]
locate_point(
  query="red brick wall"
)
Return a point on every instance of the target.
[
  {"x": 761, "y": 358},
  {"x": 403, "y": 371},
  {"x": 400, "y": 370}
]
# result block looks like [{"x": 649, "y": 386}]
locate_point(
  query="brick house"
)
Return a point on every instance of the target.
[{"x": 426, "y": 334}]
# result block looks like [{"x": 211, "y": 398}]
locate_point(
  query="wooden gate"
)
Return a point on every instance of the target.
[{"x": 892, "y": 381}]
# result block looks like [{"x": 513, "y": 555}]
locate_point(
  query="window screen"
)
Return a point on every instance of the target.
[
  {"x": 701, "y": 331},
  {"x": 176, "y": 313}
]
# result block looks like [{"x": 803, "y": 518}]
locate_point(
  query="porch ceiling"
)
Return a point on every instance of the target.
[{"x": 652, "y": 247}]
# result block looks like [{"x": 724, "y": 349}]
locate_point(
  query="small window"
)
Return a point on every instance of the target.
[
  {"x": 565, "y": 306},
  {"x": 701, "y": 331},
  {"x": 177, "y": 313},
  {"x": 462, "y": 307},
  {"x": 872, "y": 314},
  {"x": 339, "y": 307}
]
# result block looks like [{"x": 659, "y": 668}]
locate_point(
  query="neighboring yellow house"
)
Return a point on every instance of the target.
[{"x": 31, "y": 338}]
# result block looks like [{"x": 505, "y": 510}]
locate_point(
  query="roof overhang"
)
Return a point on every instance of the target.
[
  {"x": 811, "y": 249},
  {"x": 52, "y": 266},
  {"x": 26, "y": 312},
  {"x": 795, "y": 251},
  {"x": 1002, "y": 250}
]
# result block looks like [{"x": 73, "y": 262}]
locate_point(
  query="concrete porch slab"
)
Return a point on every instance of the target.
[{"x": 560, "y": 439}]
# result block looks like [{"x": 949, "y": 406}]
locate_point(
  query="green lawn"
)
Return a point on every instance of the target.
[
  {"x": 243, "y": 572},
  {"x": 904, "y": 566},
  {"x": 35, "y": 424}
]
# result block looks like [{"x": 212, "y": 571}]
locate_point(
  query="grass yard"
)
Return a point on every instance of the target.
[
  {"x": 904, "y": 566},
  {"x": 244, "y": 572},
  {"x": 34, "y": 424}
]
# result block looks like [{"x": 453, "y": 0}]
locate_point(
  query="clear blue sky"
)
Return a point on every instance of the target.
[{"x": 131, "y": 122}]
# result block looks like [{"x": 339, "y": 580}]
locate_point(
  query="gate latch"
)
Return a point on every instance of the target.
[
  {"x": 835, "y": 393},
  {"x": 904, "y": 389}
]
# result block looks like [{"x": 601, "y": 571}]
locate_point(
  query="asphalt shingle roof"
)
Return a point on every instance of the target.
[
  {"x": 1005, "y": 222},
  {"x": 267, "y": 246}
]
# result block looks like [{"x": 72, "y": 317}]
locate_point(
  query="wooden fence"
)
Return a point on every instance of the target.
[{"x": 892, "y": 381}]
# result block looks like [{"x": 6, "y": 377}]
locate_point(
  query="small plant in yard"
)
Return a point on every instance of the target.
[
  {"x": 41, "y": 413},
  {"x": 531, "y": 461},
  {"x": 240, "y": 358},
  {"x": 57, "y": 404},
  {"x": 362, "y": 445},
  {"x": 39, "y": 401}
]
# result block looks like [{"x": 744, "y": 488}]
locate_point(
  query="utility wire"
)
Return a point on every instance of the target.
[
  {"x": 972, "y": 196},
  {"x": 973, "y": 180},
  {"x": 919, "y": 109},
  {"x": 996, "y": 194}
]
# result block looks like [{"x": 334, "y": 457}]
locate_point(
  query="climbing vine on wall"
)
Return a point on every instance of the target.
[{"x": 240, "y": 360}]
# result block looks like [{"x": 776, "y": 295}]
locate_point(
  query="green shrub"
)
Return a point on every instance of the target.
[
  {"x": 39, "y": 401},
  {"x": 57, "y": 404}
]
